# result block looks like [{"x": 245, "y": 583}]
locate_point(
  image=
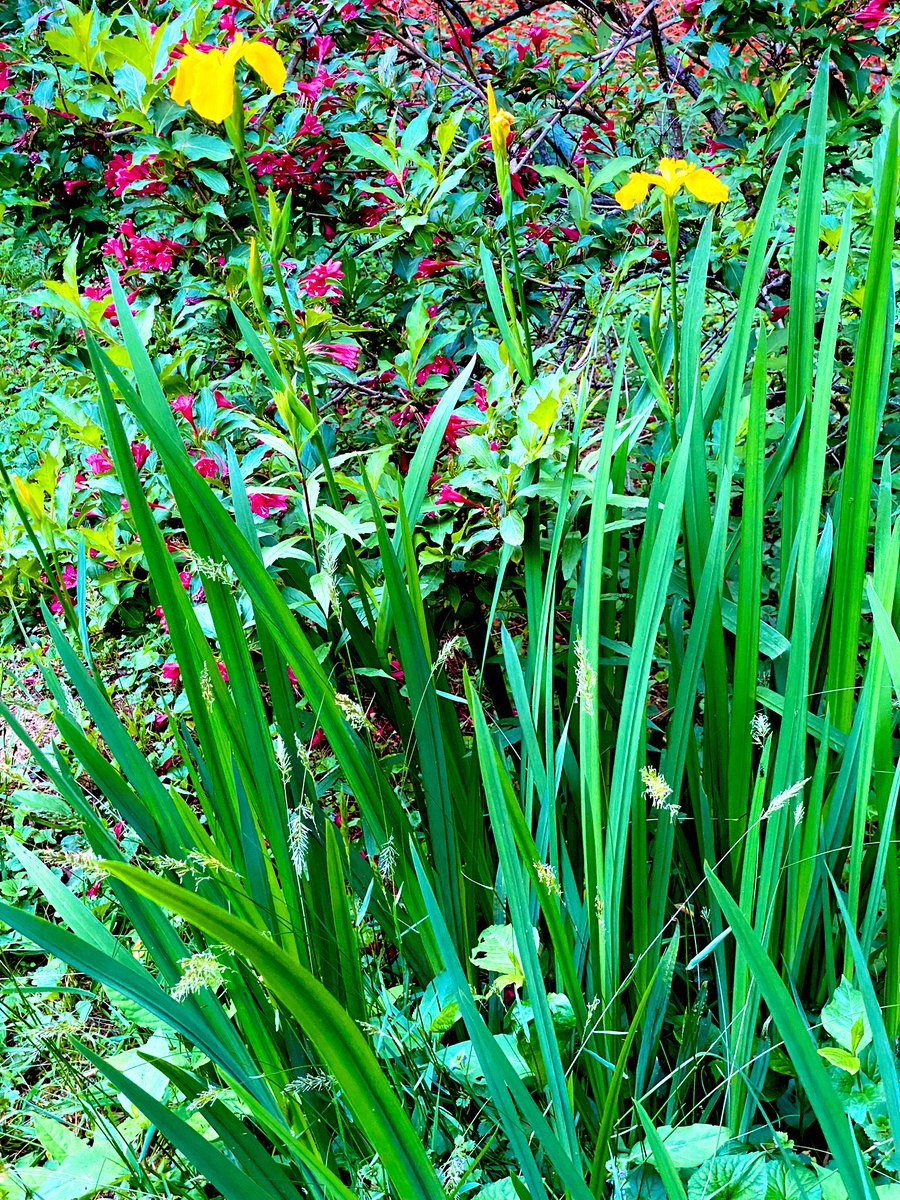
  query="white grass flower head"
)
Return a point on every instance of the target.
[
  {"x": 585, "y": 678},
  {"x": 760, "y": 728},
  {"x": 658, "y": 791},
  {"x": 778, "y": 802},
  {"x": 198, "y": 972},
  {"x": 354, "y": 712}
]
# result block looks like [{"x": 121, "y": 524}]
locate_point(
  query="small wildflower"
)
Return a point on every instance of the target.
[
  {"x": 585, "y": 679},
  {"x": 282, "y": 759},
  {"x": 656, "y": 789},
  {"x": 208, "y": 1096},
  {"x": 387, "y": 859},
  {"x": 198, "y": 972},
  {"x": 760, "y": 728},
  {"x": 298, "y": 836},
  {"x": 449, "y": 648},
  {"x": 303, "y": 754},
  {"x": 315, "y": 1081},
  {"x": 779, "y": 801},
  {"x": 547, "y": 876},
  {"x": 354, "y": 712}
]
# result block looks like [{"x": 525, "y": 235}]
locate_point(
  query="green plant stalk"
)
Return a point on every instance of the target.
[
  {"x": 670, "y": 227},
  {"x": 872, "y": 353}
]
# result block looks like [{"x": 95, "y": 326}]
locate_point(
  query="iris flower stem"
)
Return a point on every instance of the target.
[
  {"x": 517, "y": 274},
  {"x": 670, "y": 226},
  {"x": 264, "y": 234},
  {"x": 315, "y": 434}
]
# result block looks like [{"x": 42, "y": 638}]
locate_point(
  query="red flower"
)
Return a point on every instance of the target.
[
  {"x": 262, "y": 503},
  {"x": 99, "y": 463},
  {"x": 537, "y": 35},
  {"x": 345, "y": 353},
  {"x": 873, "y": 14},
  {"x": 321, "y": 280},
  {"x": 208, "y": 467},
  {"x": 184, "y": 405},
  {"x": 433, "y": 266},
  {"x": 171, "y": 672},
  {"x": 140, "y": 452},
  {"x": 324, "y": 45},
  {"x": 123, "y": 174},
  {"x": 222, "y": 671},
  {"x": 442, "y": 365}
]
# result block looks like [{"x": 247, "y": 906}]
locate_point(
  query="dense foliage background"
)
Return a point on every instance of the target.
[{"x": 449, "y": 640}]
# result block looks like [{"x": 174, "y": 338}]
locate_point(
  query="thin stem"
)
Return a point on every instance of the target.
[{"x": 670, "y": 225}]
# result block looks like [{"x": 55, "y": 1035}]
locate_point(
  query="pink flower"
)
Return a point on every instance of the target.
[
  {"x": 456, "y": 427},
  {"x": 221, "y": 401},
  {"x": 442, "y": 365},
  {"x": 139, "y": 252},
  {"x": 324, "y": 45},
  {"x": 71, "y": 186},
  {"x": 184, "y": 578},
  {"x": 321, "y": 280},
  {"x": 99, "y": 463},
  {"x": 208, "y": 467},
  {"x": 118, "y": 829},
  {"x": 222, "y": 671},
  {"x": 537, "y": 35},
  {"x": 459, "y": 37},
  {"x": 397, "y": 671},
  {"x": 123, "y": 174},
  {"x": 449, "y": 495},
  {"x": 433, "y": 266},
  {"x": 140, "y": 452},
  {"x": 263, "y": 503},
  {"x": 344, "y": 353},
  {"x": 873, "y": 14},
  {"x": 171, "y": 672},
  {"x": 94, "y": 890},
  {"x": 158, "y": 612},
  {"x": 312, "y": 88},
  {"x": 184, "y": 406},
  {"x": 69, "y": 577}
]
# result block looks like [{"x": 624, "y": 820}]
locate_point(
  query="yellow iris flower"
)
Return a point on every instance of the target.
[
  {"x": 500, "y": 122},
  {"x": 674, "y": 174},
  {"x": 205, "y": 78}
]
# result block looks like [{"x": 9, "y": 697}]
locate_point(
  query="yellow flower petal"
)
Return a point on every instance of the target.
[
  {"x": 635, "y": 191},
  {"x": 492, "y": 103},
  {"x": 673, "y": 173},
  {"x": 706, "y": 186},
  {"x": 185, "y": 76},
  {"x": 268, "y": 64},
  {"x": 235, "y": 51},
  {"x": 212, "y": 95}
]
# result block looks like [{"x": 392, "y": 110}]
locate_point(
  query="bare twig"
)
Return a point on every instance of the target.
[
  {"x": 630, "y": 37},
  {"x": 460, "y": 80}
]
